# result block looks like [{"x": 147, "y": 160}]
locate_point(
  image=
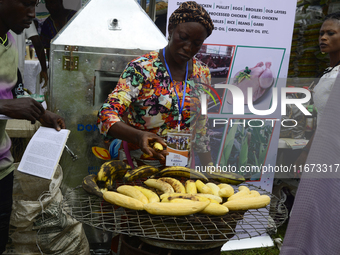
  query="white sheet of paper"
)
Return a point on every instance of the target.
[{"x": 43, "y": 152}]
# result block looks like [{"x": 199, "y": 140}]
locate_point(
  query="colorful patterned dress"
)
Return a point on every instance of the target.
[{"x": 146, "y": 99}]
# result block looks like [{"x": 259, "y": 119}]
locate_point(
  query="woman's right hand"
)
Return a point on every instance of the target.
[{"x": 145, "y": 139}]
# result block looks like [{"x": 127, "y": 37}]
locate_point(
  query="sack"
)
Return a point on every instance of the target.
[{"x": 38, "y": 224}]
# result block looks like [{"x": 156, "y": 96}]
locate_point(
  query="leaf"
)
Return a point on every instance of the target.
[
  {"x": 243, "y": 157},
  {"x": 228, "y": 145}
]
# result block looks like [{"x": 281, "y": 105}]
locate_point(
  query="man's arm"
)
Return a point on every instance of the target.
[{"x": 39, "y": 49}]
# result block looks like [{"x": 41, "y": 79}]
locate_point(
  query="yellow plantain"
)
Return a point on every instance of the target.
[
  {"x": 131, "y": 191},
  {"x": 223, "y": 185},
  {"x": 243, "y": 188},
  {"x": 112, "y": 170},
  {"x": 123, "y": 200},
  {"x": 210, "y": 196},
  {"x": 190, "y": 187},
  {"x": 157, "y": 146},
  {"x": 243, "y": 192},
  {"x": 140, "y": 172},
  {"x": 181, "y": 200},
  {"x": 152, "y": 196},
  {"x": 90, "y": 185},
  {"x": 253, "y": 193},
  {"x": 160, "y": 185},
  {"x": 225, "y": 190},
  {"x": 168, "y": 197},
  {"x": 175, "y": 209},
  {"x": 214, "y": 188},
  {"x": 176, "y": 184},
  {"x": 246, "y": 203},
  {"x": 202, "y": 188},
  {"x": 180, "y": 171},
  {"x": 215, "y": 209}
]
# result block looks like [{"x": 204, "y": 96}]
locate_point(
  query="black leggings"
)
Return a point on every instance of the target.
[{"x": 6, "y": 191}]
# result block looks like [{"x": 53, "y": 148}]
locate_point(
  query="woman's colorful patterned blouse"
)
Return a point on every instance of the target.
[{"x": 145, "y": 98}]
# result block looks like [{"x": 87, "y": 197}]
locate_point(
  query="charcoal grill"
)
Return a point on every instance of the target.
[{"x": 195, "y": 231}]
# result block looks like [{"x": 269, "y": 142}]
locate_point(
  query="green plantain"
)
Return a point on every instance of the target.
[
  {"x": 140, "y": 172},
  {"x": 111, "y": 170},
  {"x": 90, "y": 185},
  {"x": 226, "y": 177},
  {"x": 180, "y": 171}
]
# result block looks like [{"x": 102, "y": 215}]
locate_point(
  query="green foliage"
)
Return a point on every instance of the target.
[
  {"x": 247, "y": 145},
  {"x": 228, "y": 145}
]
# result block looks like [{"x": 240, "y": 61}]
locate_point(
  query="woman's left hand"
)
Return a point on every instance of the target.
[{"x": 50, "y": 119}]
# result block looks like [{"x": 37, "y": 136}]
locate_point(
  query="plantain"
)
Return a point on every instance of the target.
[
  {"x": 215, "y": 189},
  {"x": 157, "y": 146},
  {"x": 131, "y": 191},
  {"x": 123, "y": 200},
  {"x": 253, "y": 193},
  {"x": 111, "y": 170},
  {"x": 180, "y": 171},
  {"x": 152, "y": 196},
  {"x": 226, "y": 177},
  {"x": 202, "y": 188},
  {"x": 190, "y": 187},
  {"x": 225, "y": 190},
  {"x": 160, "y": 185},
  {"x": 210, "y": 197},
  {"x": 140, "y": 172},
  {"x": 215, "y": 209},
  {"x": 245, "y": 203},
  {"x": 175, "y": 209},
  {"x": 166, "y": 197},
  {"x": 240, "y": 188},
  {"x": 90, "y": 185},
  {"x": 176, "y": 184},
  {"x": 242, "y": 192}
]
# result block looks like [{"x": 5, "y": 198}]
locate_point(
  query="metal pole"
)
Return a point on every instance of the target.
[
  {"x": 152, "y": 10},
  {"x": 143, "y": 4}
]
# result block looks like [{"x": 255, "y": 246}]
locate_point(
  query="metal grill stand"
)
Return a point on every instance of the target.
[{"x": 196, "y": 231}]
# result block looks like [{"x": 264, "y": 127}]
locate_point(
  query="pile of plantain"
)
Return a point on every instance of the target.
[{"x": 164, "y": 194}]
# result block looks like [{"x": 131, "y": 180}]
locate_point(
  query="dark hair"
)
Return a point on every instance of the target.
[{"x": 334, "y": 15}]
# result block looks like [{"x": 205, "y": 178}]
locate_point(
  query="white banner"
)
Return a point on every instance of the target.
[{"x": 249, "y": 48}]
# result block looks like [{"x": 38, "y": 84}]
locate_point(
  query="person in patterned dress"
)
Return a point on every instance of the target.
[{"x": 148, "y": 100}]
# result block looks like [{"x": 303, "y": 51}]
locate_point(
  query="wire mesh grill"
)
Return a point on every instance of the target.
[{"x": 100, "y": 214}]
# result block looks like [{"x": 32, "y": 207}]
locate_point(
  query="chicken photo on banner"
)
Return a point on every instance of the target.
[
  {"x": 258, "y": 68},
  {"x": 260, "y": 78}
]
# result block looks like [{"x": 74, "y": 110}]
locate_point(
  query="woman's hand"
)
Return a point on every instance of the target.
[
  {"x": 50, "y": 119},
  {"x": 145, "y": 139}
]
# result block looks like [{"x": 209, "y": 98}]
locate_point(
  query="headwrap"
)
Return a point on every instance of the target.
[{"x": 192, "y": 12}]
